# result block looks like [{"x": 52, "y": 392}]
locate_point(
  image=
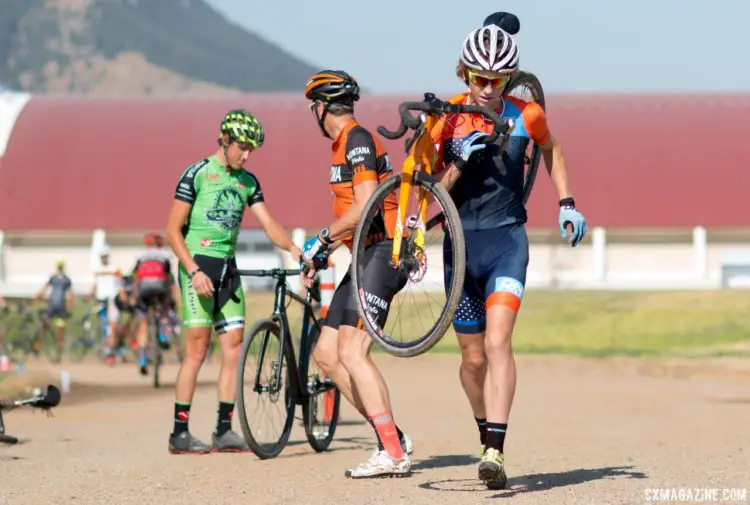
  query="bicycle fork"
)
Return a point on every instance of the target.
[{"x": 274, "y": 383}]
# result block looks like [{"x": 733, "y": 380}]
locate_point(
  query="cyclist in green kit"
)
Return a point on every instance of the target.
[{"x": 202, "y": 230}]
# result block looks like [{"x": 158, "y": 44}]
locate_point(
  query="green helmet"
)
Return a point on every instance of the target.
[{"x": 241, "y": 126}]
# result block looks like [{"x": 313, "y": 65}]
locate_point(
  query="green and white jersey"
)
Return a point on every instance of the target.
[{"x": 218, "y": 200}]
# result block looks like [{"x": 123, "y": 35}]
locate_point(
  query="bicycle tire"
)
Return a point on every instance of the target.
[
  {"x": 48, "y": 344},
  {"x": 77, "y": 350},
  {"x": 453, "y": 222},
  {"x": 318, "y": 445},
  {"x": 262, "y": 450},
  {"x": 532, "y": 162},
  {"x": 155, "y": 349}
]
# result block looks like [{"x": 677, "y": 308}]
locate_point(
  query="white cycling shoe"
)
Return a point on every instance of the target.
[{"x": 381, "y": 464}]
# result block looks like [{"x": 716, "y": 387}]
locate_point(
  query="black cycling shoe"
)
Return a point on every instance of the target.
[
  {"x": 229, "y": 442},
  {"x": 185, "y": 443}
]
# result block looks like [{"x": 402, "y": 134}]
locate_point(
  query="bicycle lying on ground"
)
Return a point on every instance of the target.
[
  {"x": 278, "y": 379},
  {"x": 45, "y": 400},
  {"x": 409, "y": 250}
]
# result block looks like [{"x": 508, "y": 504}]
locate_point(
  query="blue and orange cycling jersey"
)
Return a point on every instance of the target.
[{"x": 489, "y": 193}]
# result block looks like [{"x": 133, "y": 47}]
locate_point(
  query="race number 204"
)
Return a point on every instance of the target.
[{"x": 696, "y": 495}]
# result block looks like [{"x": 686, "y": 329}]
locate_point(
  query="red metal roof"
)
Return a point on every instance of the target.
[{"x": 635, "y": 160}]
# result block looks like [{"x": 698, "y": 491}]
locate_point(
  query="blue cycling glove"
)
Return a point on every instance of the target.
[
  {"x": 316, "y": 251},
  {"x": 469, "y": 146},
  {"x": 312, "y": 247},
  {"x": 570, "y": 216}
]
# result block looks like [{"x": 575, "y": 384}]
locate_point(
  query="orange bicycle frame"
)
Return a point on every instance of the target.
[{"x": 422, "y": 154}]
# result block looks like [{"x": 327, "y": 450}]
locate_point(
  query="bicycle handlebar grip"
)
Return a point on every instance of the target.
[
  {"x": 253, "y": 273},
  {"x": 392, "y": 135},
  {"x": 407, "y": 121}
]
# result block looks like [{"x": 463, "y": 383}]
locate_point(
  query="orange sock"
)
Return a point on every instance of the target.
[{"x": 386, "y": 429}]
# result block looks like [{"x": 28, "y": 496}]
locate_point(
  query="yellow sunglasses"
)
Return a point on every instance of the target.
[{"x": 483, "y": 81}]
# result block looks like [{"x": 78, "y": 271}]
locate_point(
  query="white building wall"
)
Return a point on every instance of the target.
[{"x": 634, "y": 264}]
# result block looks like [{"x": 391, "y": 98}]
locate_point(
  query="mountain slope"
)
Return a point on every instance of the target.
[{"x": 137, "y": 47}]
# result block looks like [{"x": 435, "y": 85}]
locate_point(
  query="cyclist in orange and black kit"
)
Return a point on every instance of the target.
[{"x": 360, "y": 163}]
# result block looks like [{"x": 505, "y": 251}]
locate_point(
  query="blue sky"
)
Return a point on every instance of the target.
[{"x": 572, "y": 45}]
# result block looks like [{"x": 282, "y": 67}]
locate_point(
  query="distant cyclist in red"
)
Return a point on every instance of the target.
[
  {"x": 152, "y": 287},
  {"x": 487, "y": 188}
]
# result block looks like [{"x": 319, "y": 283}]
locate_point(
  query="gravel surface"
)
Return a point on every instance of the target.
[{"x": 581, "y": 432}]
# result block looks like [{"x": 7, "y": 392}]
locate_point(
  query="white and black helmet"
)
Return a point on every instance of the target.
[{"x": 490, "y": 49}]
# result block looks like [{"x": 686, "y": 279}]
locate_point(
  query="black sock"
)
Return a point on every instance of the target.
[
  {"x": 496, "y": 436},
  {"x": 482, "y": 426},
  {"x": 181, "y": 417},
  {"x": 400, "y": 434},
  {"x": 224, "y": 421}
]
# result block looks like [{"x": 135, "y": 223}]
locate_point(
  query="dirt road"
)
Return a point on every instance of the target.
[{"x": 582, "y": 432}]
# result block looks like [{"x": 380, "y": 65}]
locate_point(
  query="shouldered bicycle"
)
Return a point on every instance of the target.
[{"x": 409, "y": 251}]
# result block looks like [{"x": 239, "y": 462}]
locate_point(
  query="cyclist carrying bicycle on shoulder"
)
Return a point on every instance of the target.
[
  {"x": 360, "y": 163},
  {"x": 487, "y": 188},
  {"x": 203, "y": 226}
]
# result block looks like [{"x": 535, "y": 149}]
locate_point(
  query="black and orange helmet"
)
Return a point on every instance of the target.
[{"x": 332, "y": 86}]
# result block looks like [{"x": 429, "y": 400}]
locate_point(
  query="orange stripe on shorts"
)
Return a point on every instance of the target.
[{"x": 505, "y": 299}]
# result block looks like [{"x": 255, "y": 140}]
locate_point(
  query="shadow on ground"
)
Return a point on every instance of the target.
[
  {"x": 538, "y": 482},
  {"x": 338, "y": 444},
  {"x": 445, "y": 461}
]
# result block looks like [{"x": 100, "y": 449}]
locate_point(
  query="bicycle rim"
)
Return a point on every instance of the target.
[
  {"x": 526, "y": 86},
  {"x": 263, "y": 338},
  {"x": 320, "y": 410},
  {"x": 432, "y": 306}
]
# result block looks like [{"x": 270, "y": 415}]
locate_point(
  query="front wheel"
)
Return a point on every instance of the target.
[
  {"x": 427, "y": 314},
  {"x": 264, "y": 383}
]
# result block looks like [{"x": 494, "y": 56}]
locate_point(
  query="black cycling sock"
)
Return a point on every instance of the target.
[
  {"x": 482, "y": 426},
  {"x": 224, "y": 421},
  {"x": 496, "y": 436},
  {"x": 181, "y": 417}
]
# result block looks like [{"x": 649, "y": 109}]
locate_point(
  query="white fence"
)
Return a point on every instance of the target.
[{"x": 666, "y": 259}]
